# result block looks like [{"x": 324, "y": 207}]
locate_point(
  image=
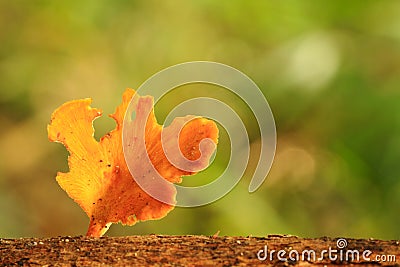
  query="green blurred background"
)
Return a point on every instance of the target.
[{"x": 329, "y": 69}]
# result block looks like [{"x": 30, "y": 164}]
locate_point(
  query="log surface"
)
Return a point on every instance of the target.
[{"x": 159, "y": 250}]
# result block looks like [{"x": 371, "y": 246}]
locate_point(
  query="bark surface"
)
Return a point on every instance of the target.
[{"x": 159, "y": 250}]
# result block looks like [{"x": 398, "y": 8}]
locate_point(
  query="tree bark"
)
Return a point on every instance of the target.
[{"x": 162, "y": 250}]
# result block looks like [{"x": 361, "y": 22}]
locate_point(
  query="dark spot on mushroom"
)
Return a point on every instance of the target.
[{"x": 101, "y": 160}]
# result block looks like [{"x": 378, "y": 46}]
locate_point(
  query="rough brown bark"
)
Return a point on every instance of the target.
[{"x": 185, "y": 251}]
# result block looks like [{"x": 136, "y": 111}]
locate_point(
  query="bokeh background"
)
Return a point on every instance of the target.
[{"x": 329, "y": 69}]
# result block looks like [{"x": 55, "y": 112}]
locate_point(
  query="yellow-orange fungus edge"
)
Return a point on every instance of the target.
[{"x": 99, "y": 179}]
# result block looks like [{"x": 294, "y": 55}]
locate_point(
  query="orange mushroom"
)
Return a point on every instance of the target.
[{"x": 99, "y": 179}]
